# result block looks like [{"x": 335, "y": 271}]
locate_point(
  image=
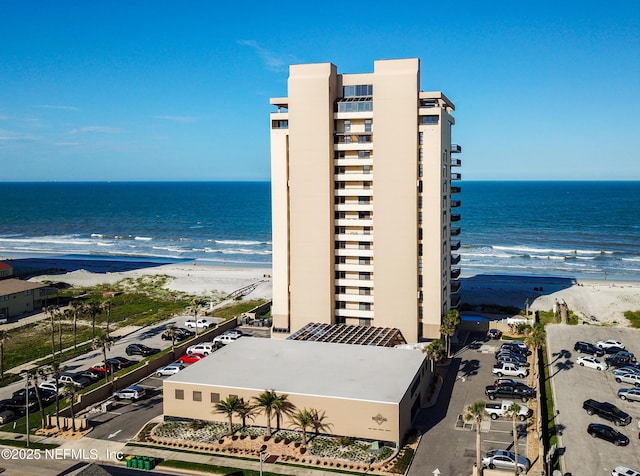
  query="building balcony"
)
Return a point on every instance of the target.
[
  {"x": 456, "y": 231},
  {"x": 456, "y": 149},
  {"x": 354, "y": 192},
  {"x": 365, "y": 268},
  {"x": 353, "y": 177},
  {"x": 456, "y": 189},
  {"x": 348, "y": 146},
  {"x": 354, "y": 298},
  {"x": 455, "y": 273},
  {"x": 353, "y": 222},
  {"x": 455, "y": 245},
  {"x": 456, "y": 163},
  {"x": 353, "y": 161},
  {"x": 353, "y": 237},
  {"x": 455, "y": 301},
  {"x": 455, "y": 286},
  {"x": 353, "y": 207},
  {"x": 354, "y": 252},
  {"x": 354, "y": 282},
  {"x": 455, "y": 203},
  {"x": 456, "y": 176},
  {"x": 455, "y": 259},
  {"x": 455, "y": 217},
  {"x": 357, "y": 313}
]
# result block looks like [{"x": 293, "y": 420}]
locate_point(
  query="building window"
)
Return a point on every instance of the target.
[
  {"x": 364, "y": 245},
  {"x": 364, "y": 276},
  {"x": 429, "y": 120},
  {"x": 179, "y": 394},
  {"x": 364, "y": 215},
  {"x": 364, "y": 322},
  {"x": 357, "y": 106},
  {"x": 366, "y": 169},
  {"x": 341, "y": 274},
  {"x": 367, "y": 125},
  {"x": 366, "y": 230},
  {"x": 341, "y": 259},
  {"x": 197, "y": 396},
  {"x": 341, "y": 289},
  {"x": 421, "y": 138},
  {"x": 215, "y": 397},
  {"x": 364, "y": 200},
  {"x": 357, "y": 90},
  {"x": 419, "y": 170},
  {"x": 364, "y": 291},
  {"x": 364, "y": 260},
  {"x": 280, "y": 124},
  {"x": 341, "y": 305},
  {"x": 347, "y": 126},
  {"x": 364, "y": 139},
  {"x": 364, "y": 154},
  {"x": 364, "y": 306}
]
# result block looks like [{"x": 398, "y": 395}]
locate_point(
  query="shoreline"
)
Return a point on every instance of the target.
[{"x": 605, "y": 299}]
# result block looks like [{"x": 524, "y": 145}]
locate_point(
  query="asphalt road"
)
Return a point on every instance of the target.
[
  {"x": 448, "y": 444},
  {"x": 572, "y": 384}
]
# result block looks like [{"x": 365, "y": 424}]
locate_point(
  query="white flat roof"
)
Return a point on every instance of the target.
[{"x": 369, "y": 373}]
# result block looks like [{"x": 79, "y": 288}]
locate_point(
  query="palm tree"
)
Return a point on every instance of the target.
[
  {"x": 266, "y": 401},
  {"x": 282, "y": 407},
  {"x": 70, "y": 390},
  {"x": 474, "y": 413},
  {"x": 103, "y": 342},
  {"x": 77, "y": 308},
  {"x": 318, "y": 421},
  {"x": 36, "y": 375},
  {"x": 106, "y": 307},
  {"x": 51, "y": 310},
  {"x": 302, "y": 420},
  {"x": 55, "y": 372},
  {"x": 435, "y": 352},
  {"x": 173, "y": 333},
  {"x": 228, "y": 406},
  {"x": 536, "y": 339},
  {"x": 4, "y": 336},
  {"x": 245, "y": 410},
  {"x": 448, "y": 327},
  {"x": 513, "y": 411},
  {"x": 93, "y": 309}
]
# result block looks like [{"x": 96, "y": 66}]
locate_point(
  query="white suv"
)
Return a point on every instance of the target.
[{"x": 629, "y": 378}]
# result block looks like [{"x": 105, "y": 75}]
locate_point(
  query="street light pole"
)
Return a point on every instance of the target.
[
  {"x": 26, "y": 399},
  {"x": 263, "y": 448}
]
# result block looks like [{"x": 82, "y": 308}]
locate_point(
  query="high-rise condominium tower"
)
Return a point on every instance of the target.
[{"x": 364, "y": 214}]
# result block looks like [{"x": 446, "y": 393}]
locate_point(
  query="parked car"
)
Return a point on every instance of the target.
[
  {"x": 515, "y": 346},
  {"x": 624, "y": 471},
  {"x": 199, "y": 323},
  {"x": 123, "y": 361},
  {"x": 134, "y": 393},
  {"x": 596, "y": 430},
  {"x": 510, "y": 369},
  {"x": 609, "y": 343},
  {"x": 141, "y": 349},
  {"x": 170, "y": 369},
  {"x": 629, "y": 378},
  {"x": 6, "y": 416},
  {"x": 608, "y": 411},
  {"x": 588, "y": 348},
  {"x": 616, "y": 360},
  {"x": 50, "y": 385},
  {"x": 631, "y": 394},
  {"x": 46, "y": 395},
  {"x": 180, "y": 333},
  {"x": 91, "y": 375},
  {"x": 494, "y": 334},
  {"x": 226, "y": 338},
  {"x": 74, "y": 379},
  {"x": 504, "y": 459},
  {"x": 507, "y": 381},
  {"x": 513, "y": 359},
  {"x": 191, "y": 358},
  {"x": 627, "y": 369},
  {"x": 591, "y": 362},
  {"x": 102, "y": 368},
  {"x": 520, "y": 391},
  {"x": 204, "y": 348},
  {"x": 501, "y": 409}
]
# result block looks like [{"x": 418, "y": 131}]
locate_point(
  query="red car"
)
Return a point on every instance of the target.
[
  {"x": 191, "y": 358},
  {"x": 102, "y": 369}
]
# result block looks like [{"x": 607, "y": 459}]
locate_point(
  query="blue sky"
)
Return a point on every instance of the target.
[{"x": 179, "y": 90}]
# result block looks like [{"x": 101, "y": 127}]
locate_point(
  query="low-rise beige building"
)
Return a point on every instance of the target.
[
  {"x": 18, "y": 297},
  {"x": 365, "y": 391}
]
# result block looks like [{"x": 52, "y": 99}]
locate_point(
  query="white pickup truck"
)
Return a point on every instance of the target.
[
  {"x": 199, "y": 323},
  {"x": 510, "y": 370},
  {"x": 500, "y": 409}
]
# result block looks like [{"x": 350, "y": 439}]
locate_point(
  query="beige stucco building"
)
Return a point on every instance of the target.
[
  {"x": 365, "y": 391},
  {"x": 18, "y": 298},
  {"x": 363, "y": 206}
]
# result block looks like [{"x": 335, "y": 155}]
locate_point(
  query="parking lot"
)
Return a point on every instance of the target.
[
  {"x": 449, "y": 443},
  {"x": 572, "y": 384}
]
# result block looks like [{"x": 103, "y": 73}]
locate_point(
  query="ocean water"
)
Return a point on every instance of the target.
[{"x": 569, "y": 229}]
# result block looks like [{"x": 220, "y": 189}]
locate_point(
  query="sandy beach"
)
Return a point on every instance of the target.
[{"x": 605, "y": 300}]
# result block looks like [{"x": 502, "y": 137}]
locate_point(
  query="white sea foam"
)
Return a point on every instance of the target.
[
  {"x": 240, "y": 242},
  {"x": 143, "y": 238}
]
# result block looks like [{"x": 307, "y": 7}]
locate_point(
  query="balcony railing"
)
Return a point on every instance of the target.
[
  {"x": 455, "y": 287},
  {"x": 455, "y": 273},
  {"x": 456, "y": 149},
  {"x": 455, "y": 245},
  {"x": 455, "y": 259},
  {"x": 455, "y": 203},
  {"x": 455, "y": 231},
  {"x": 455, "y": 217},
  {"x": 456, "y": 162},
  {"x": 456, "y": 176},
  {"x": 455, "y": 301},
  {"x": 456, "y": 189}
]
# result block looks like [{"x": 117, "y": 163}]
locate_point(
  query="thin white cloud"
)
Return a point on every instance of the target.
[
  {"x": 7, "y": 135},
  {"x": 182, "y": 119},
  {"x": 272, "y": 60},
  {"x": 58, "y": 107},
  {"x": 99, "y": 129}
]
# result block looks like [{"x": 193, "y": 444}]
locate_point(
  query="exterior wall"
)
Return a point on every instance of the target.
[
  {"x": 18, "y": 303},
  {"x": 360, "y": 419},
  {"x": 6, "y": 271},
  {"x": 395, "y": 107}
]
